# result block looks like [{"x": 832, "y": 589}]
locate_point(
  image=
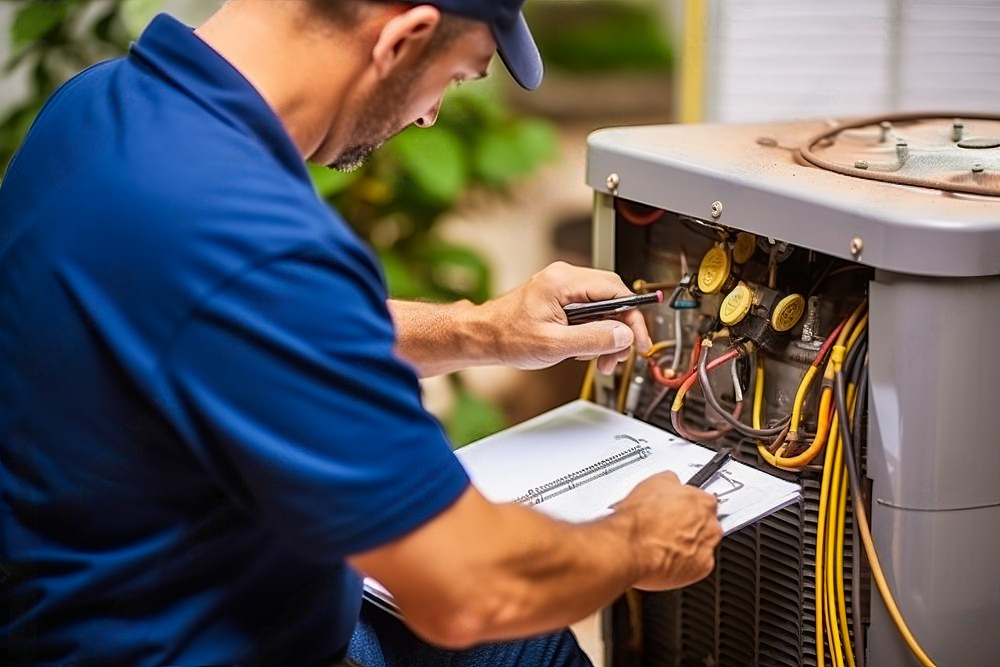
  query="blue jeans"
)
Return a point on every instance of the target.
[{"x": 381, "y": 640}]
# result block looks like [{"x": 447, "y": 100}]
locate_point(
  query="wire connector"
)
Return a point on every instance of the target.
[{"x": 837, "y": 357}]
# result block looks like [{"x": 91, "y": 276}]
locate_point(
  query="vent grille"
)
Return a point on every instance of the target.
[{"x": 759, "y": 605}]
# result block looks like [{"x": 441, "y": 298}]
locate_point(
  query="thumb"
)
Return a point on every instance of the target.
[{"x": 598, "y": 338}]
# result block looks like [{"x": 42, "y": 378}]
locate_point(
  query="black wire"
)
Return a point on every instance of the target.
[
  {"x": 860, "y": 403},
  {"x": 706, "y": 388},
  {"x": 845, "y": 434},
  {"x": 859, "y": 351},
  {"x": 703, "y": 229}
]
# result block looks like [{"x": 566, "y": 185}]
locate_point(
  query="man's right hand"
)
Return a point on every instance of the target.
[{"x": 676, "y": 529}]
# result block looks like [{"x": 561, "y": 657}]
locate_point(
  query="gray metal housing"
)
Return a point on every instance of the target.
[
  {"x": 933, "y": 440},
  {"x": 752, "y": 172}
]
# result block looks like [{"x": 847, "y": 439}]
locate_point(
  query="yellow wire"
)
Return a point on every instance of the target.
[
  {"x": 829, "y": 566},
  {"x": 883, "y": 587},
  {"x": 858, "y": 329},
  {"x": 823, "y": 419},
  {"x": 758, "y": 402},
  {"x": 659, "y": 347},
  {"x": 626, "y": 380},
  {"x": 836, "y": 607},
  {"x": 821, "y": 537},
  {"x": 852, "y": 399},
  {"x": 587, "y": 389},
  {"x": 800, "y": 399},
  {"x": 839, "y": 575},
  {"x": 876, "y": 568}
]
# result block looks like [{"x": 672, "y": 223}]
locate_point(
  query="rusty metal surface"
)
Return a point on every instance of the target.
[{"x": 949, "y": 153}]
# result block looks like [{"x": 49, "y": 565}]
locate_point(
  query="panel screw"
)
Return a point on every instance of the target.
[
  {"x": 956, "y": 129},
  {"x": 857, "y": 245},
  {"x": 612, "y": 183},
  {"x": 861, "y": 164},
  {"x": 977, "y": 169},
  {"x": 716, "y": 209},
  {"x": 886, "y": 128},
  {"x": 902, "y": 150}
]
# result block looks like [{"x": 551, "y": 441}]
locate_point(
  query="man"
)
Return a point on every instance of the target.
[{"x": 208, "y": 422}]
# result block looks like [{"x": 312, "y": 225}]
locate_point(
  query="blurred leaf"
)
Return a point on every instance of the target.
[
  {"x": 435, "y": 160},
  {"x": 459, "y": 271},
  {"x": 400, "y": 279},
  {"x": 600, "y": 36},
  {"x": 472, "y": 418},
  {"x": 513, "y": 151},
  {"x": 136, "y": 14},
  {"x": 36, "y": 20},
  {"x": 328, "y": 182}
]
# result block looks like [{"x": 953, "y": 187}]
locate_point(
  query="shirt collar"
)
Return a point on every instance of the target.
[{"x": 181, "y": 57}]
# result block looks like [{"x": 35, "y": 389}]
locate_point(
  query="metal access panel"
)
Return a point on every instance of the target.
[{"x": 914, "y": 203}]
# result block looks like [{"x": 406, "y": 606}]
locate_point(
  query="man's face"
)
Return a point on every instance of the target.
[{"x": 412, "y": 94}]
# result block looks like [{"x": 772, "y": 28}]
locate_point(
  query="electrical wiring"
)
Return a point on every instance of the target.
[
  {"x": 835, "y": 609},
  {"x": 675, "y": 382},
  {"x": 861, "y": 518},
  {"x": 821, "y": 528},
  {"x": 659, "y": 347},
  {"x": 626, "y": 379},
  {"x": 695, "y": 435},
  {"x": 638, "y": 214},
  {"x": 713, "y": 401},
  {"x": 587, "y": 388},
  {"x": 677, "y": 420},
  {"x": 844, "y": 332},
  {"x": 837, "y": 336},
  {"x": 678, "y": 343}
]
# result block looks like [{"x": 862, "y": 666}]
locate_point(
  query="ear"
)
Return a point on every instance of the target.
[{"x": 403, "y": 36}]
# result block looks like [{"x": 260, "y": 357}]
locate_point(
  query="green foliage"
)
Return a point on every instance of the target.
[
  {"x": 472, "y": 418},
  {"x": 395, "y": 201},
  {"x": 600, "y": 36},
  {"x": 51, "y": 40},
  {"x": 399, "y": 196}
]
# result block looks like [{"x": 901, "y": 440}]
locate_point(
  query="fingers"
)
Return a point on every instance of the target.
[{"x": 637, "y": 323}]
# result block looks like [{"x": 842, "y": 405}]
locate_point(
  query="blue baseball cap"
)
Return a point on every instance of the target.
[{"x": 515, "y": 44}]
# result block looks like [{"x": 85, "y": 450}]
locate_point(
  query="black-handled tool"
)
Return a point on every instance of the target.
[
  {"x": 588, "y": 311},
  {"x": 707, "y": 471}
]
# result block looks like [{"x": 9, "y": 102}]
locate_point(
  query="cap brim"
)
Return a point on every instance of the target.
[{"x": 519, "y": 53}]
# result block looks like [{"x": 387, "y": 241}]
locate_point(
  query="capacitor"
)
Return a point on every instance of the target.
[{"x": 714, "y": 270}]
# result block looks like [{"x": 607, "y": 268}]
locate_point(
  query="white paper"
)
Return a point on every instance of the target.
[{"x": 600, "y": 456}]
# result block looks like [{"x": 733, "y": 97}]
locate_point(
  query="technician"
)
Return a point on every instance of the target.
[{"x": 210, "y": 421}]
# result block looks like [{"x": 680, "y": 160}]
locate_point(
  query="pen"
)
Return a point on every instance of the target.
[
  {"x": 707, "y": 471},
  {"x": 588, "y": 311}
]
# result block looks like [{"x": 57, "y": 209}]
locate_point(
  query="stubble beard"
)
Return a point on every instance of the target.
[{"x": 382, "y": 123}]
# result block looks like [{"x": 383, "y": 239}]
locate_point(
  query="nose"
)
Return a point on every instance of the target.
[{"x": 428, "y": 118}]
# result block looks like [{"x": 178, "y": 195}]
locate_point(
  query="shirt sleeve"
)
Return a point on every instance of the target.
[{"x": 286, "y": 387}]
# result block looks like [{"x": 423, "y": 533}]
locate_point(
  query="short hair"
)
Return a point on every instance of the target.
[{"x": 347, "y": 14}]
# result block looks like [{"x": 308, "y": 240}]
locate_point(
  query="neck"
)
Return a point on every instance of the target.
[{"x": 303, "y": 72}]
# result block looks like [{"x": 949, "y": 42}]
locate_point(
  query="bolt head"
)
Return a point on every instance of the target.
[
  {"x": 612, "y": 182},
  {"x": 857, "y": 245},
  {"x": 977, "y": 169},
  {"x": 716, "y": 209},
  {"x": 861, "y": 164}
]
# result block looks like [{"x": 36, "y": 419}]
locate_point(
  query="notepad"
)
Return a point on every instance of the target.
[{"x": 576, "y": 461}]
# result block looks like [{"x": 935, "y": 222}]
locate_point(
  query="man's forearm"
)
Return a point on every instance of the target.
[
  {"x": 441, "y": 338},
  {"x": 502, "y": 571}
]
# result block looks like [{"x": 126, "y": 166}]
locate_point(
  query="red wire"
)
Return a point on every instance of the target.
[
  {"x": 636, "y": 214},
  {"x": 676, "y": 382}
]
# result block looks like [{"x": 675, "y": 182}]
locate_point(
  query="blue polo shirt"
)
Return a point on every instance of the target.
[{"x": 201, "y": 413}]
